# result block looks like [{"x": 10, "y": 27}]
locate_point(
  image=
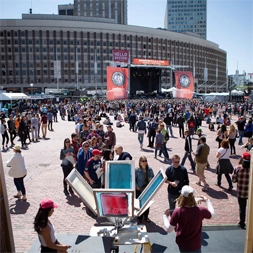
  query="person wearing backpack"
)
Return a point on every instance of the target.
[{"x": 191, "y": 125}]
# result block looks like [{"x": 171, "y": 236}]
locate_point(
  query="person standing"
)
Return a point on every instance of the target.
[
  {"x": 231, "y": 134},
  {"x": 159, "y": 142},
  {"x": 177, "y": 177},
  {"x": 168, "y": 121},
  {"x": 84, "y": 154},
  {"x": 110, "y": 138},
  {"x": 201, "y": 156},
  {"x": 141, "y": 128},
  {"x": 44, "y": 125},
  {"x": 132, "y": 120},
  {"x": 188, "y": 150},
  {"x": 34, "y": 127},
  {"x": 152, "y": 126},
  {"x": 50, "y": 120},
  {"x": 180, "y": 121},
  {"x": 67, "y": 155},
  {"x": 187, "y": 219},
  {"x": 45, "y": 229},
  {"x": 18, "y": 171},
  {"x": 224, "y": 165},
  {"x": 241, "y": 176},
  {"x": 163, "y": 150},
  {"x": 12, "y": 129},
  {"x": 120, "y": 155},
  {"x": 4, "y": 133},
  {"x": 143, "y": 175},
  {"x": 241, "y": 128}
]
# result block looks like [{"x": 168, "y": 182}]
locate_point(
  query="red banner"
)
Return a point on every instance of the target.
[
  {"x": 120, "y": 55},
  {"x": 138, "y": 61},
  {"x": 117, "y": 83},
  {"x": 184, "y": 84}
]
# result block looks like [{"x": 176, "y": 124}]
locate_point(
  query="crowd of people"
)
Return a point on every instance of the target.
[{"x": 93, "y": 142}]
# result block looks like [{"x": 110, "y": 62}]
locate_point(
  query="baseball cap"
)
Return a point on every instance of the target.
[
  {"x": 48, "y": 203},
  {"x": 186, "y": 190},
  {"x": 246, "y": 156},
  {"x": 96, "y": 152}
]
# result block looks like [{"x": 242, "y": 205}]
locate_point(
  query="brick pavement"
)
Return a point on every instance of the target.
[{"x": 44, "y": 179}]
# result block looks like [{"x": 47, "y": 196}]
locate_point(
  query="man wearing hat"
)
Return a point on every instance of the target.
[
  {"x": 241, "y": 176},
  {"x": 187, "y": 219}
]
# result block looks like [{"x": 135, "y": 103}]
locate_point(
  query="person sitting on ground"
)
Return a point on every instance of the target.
[{"x": 211, "y": 127}]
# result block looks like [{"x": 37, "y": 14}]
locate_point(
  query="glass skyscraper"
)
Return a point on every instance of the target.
[{"x": 186, "y": 16}]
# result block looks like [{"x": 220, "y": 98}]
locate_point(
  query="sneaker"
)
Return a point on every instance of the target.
[
  {"x": 205, "y": 188},
  {"x": 198, "y": 183}
]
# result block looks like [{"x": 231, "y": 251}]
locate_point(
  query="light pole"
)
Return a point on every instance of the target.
[{"x": 31, "y": 85}]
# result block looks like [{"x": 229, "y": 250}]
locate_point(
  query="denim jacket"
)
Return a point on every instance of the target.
[{"x": 140, "y": 176}]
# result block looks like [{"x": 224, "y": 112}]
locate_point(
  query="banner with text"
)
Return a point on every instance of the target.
[
  {"x": 138, "y": 61},
  {"x": 184, "y": 84},
  {"x": 119, "y": 55},
  {"x": 117, "y": 83}
]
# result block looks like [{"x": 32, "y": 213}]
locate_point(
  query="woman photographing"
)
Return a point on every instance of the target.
[{"x": 45, "y": 229}]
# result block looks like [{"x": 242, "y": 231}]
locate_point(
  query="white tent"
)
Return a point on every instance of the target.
[{"x": 13, "y": 96}]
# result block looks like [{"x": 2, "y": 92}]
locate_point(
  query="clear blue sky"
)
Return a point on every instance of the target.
[{"x": 229, "y": 22}]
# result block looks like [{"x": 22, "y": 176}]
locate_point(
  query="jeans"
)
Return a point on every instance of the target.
[
  {"x": 172, "y": 203},
  {"x": 5, "y": 136},
  {"x": 232, "y": 145},
  {"x": 66, "y": 169},
  {"x": 19, "y": 183},
  {"x": 242, "y": 210},
  {"x": 140, "y": 138},
  {"x": 164, "y": 151},
  {"x": 13, "y": 135},
  {"x": 34, "y": 132},
  {"x": 241, "y": 133},
  {"x": 190, "y": 159},
  {"x": 50, "y": 125},
  {"x": 170, "y": 128},
  {"x": 219, "y": 176},
  {"x": 181, "y": 131}
]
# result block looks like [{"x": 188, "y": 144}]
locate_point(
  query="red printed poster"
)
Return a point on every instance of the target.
[
  {"x": 117, "y": 83},
  {"x": 184, "y": 84},
  {"x": 120, "y": 55}
]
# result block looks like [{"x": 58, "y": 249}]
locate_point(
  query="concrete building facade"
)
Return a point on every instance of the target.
[
  {"x": 110, "y": 9},
  {"x": 29, "y": 47},
  {"x": 186, "y": 16}
]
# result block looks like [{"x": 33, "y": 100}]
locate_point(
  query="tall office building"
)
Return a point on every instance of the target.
[
  {"x": 186, "y": 16},
  {"x": 109, "y": 9}
]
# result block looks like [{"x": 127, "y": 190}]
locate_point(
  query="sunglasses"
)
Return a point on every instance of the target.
[
  {"x": 86, "y": 146},
  {"x": 144, "y": 161},
  {"x": 176, "y": 162}
]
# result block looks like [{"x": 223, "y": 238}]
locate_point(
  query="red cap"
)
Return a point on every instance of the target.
[
  {"x": 48, "y": 203},
  {"x": 246, "y": 156},
  {"x": 96, "y": 152}
]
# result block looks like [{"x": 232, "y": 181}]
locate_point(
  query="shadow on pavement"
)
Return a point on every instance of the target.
[
  {"x": 20, "y": 207},
  {"x": 73, "y": 200},
  {"x": 216, "y": 194}
]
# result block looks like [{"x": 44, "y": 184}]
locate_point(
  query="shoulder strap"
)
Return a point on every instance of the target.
[{"x": 223, "y": 154}]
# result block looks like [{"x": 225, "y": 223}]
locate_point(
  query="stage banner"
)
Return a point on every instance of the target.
[
  {"x": 138, "y": 61},
  {"x": 117, "y": 83},
  {"x": 184, "y": 84},
  {"x": 120, "y": 55}
]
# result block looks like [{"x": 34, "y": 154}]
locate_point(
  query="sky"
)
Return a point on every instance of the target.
[{"x": 229, "y": 23}]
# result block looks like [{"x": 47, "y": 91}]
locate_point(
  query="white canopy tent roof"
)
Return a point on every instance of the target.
[{"x": 13, "y": 96}]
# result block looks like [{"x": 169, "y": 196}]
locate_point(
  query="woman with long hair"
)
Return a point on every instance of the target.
[
  {"x": 221, "y": 134},
  {"x": 94, "y": 142},
  {"x": 224, "y": 165},
  {"x": 143, "y": 175},
  {"x": 187, "y": 219},
  {"x": 231, "y": 134},
  {"x": 45, "y": 229},
  {"x": 67, "y": 155}
]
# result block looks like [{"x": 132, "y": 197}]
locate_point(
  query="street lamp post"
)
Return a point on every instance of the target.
[{"x": 31, "y": 85}]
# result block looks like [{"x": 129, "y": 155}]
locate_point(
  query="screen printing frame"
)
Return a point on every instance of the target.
[
  {"x": 82, "y": 189},
  {"x": 144, "y": 201},
  {"x": 114, "y": 179},
  {"x": 97, "y": 193}
]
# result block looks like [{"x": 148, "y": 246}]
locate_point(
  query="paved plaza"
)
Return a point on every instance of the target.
[{"x": 44, "y": 180}]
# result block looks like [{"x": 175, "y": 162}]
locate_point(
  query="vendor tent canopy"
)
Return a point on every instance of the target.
[
  {"x": 13, "y": 96},
  {"x": 216, "y": 97}
]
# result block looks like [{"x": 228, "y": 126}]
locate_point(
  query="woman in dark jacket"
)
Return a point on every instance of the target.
[
  {"x": 224, "y": 165},
  {"x": 143, "y": 175},
  {"x": 67, "y": 155},
  {"x": 22, "y": 131}
]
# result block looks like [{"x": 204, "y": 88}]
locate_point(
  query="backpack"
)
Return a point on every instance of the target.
[{"x": 191, "y": 124}]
